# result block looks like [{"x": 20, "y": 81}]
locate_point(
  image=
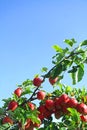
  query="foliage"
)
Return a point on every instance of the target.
[{"x": 66, "y": 104}]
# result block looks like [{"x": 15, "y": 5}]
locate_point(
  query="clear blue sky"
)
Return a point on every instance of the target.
[{"x": 28, "y": 29}]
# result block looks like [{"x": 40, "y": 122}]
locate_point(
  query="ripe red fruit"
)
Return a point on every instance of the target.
[
  {"x": 18, "y": 92},
  {"x": 31, "y": 105},
  {"x": 64, "y": 98},
  {"x": 12, "y": 105},
  {"x": 72, "y": 103},
  {"x": 57, "y": 114},
  {"x": 64, "y": 109},
  {"x": 41, "y": 95},
  {"x": 37, "y": 81},
  {"x": 83, "y": 118},
  {"x": 53, "y": 80},
  {"x": 41, "y": 116},
  {"x": 82, "y": 108},
  {"x": 57, "y": 103},
  {"x": 47, "y": 114},
  {"x": 44, "y": 112},
  {"x": 50, "y": 105},
  {"x": 42, "y": 109},
  {"x": 7, "y": 119}
]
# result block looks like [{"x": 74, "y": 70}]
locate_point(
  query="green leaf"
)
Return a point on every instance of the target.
[
  {"x": 84, "y": 43},
  {"x": 74, "y": 78},
  {"x": 80, "y": 72},
  {"x": 57, "y": 48},
  {"x": 78, "y": 75},
  {"x": 74, "y": 114},
  {"x": 5, "y": 126},
  {"x": 27, "y": 90},
  {"x": 70, "y": 42},
  {"x": 44, "y": 69},
  {"x": 27, "y": 82},
  {"x": 57, "y": 71}
]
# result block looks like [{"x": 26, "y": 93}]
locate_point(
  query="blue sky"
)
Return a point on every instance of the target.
[{"x": 28, "y": 29}]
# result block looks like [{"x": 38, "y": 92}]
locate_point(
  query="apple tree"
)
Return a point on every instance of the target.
[{"x": 31, "y": 107}]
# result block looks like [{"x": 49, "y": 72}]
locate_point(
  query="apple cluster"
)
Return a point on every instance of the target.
[{"x": 57, "y": 106}]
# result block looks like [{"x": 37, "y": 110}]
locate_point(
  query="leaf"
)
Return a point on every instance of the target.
[
  {"x": 57, "y": 48},
  {"x": 57, "y": 71},
  {"x": 74, "y": 114},
  {"x": 78, "y": 75},
  {"x": 84, "y": 43},
  {"x": 44, "y": 69},
  {"x": 27, "y": 82},
  {"x": 74, "y": 78},
  {"x": 70, "y": 42},
  {"x": 27, "y": 90},
  {"x": 5, "y": 126},
  {"x": 80, "y": 72}
]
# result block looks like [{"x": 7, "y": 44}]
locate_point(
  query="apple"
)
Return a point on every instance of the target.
[
  {"x": 72, "y": 103},
  {"x": 44, "y": 112},
  {"x": 12, "y": 105},
  {"x": 41, "y": 116},
  {"x": 42, "y": 109},
  {"x": 37, "y": 81},
  {"x": 63, "y": 99},
  {"x": 57, "y": 102},
  {"x": 64, "y": 110},
  {"x": 49, "y": 103},
  {"x": 31, "y": 105},
  {"x": 47, "y": 114},
  {"x": 57, "y": 114},
  {"x": 53, "y": 80},
  {"x": 7, "y": 119},
  {"x": 41, "y": 95},
  {"x": 18, "y": 92},
  {"x": 83, "y": 118},
  {"x": 82, "y": 108}
]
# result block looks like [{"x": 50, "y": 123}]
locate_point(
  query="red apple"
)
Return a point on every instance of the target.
[
  {"x": 64, "y": 110},
  {"x": 64, "y": 98},
  {"x": 72, "y": 103},
  {"x": 53, "y": 80},
  {"x": 31, "y": 105},
  {"x": 57, "y": 102},
  {"x": 18, "y": 92},
  {"x": 42, "y": 109},
  {"x": 7, "y": 119},
  {"x": 41, "y": 95},
  {"x": 82, "y": 108},
  {"x": 83, "y": 118},
  {"x": 47, "y": 114},
  {"x": 57, "y": 114},
  {"x": 50, "y": 105},
  {"x": 44, "y": 112},
  {"x": 41, "y": 116},
  {"x": 37, "y": 81},
  {"x": 12, "y": 105}
]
